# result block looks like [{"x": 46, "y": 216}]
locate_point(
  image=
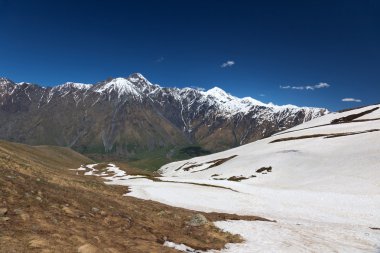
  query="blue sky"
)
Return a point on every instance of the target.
[{"x": 275, "y": 51}]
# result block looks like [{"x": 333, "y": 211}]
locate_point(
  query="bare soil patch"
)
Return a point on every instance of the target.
[
  {"x": 351, "y": 117},
  {"x": 334, "y": 135},
  {"x": 237, "y": 178},
  {"x": 264, "y": 169}
]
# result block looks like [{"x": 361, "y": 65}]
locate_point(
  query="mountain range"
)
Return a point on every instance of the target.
[{"x": 126, "y": 116}]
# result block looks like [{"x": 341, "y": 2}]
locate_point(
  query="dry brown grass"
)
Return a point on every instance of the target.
[
  {"x": 298, "y": 137},
  {"x": 236, "y": 178},
  {"x": 326, "y": 136},
  {"x": 212, "y": 163},
  {"x": 51, "y": 209},
  {"x": 352, "y": 117}
]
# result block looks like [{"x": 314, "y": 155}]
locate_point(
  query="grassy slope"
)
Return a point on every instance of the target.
[
  {"x": 51, "y": 209},
  {"x": 154, "y": 160}
]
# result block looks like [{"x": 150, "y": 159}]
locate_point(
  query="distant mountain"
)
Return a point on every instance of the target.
[{"x": 125, "y": 116}]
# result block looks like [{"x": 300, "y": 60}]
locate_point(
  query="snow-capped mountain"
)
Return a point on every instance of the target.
[{"x": 127, "y": 115}]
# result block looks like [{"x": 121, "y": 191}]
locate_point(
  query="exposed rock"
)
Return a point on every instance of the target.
[
  {"x": 88, "y": 248},
  {"x": 95, "y": 210},
  {"x": 198, "y": 220},
  {"x": 3, "y": 211},
  {"x": 236, "y": 178},
  {"x": 67, "y": 210},
  {"x": 24, "y": 216},
  {"x": 4, "y": 218},
  {"x": 38, "y": 243},
  {"x": 111, "y": 250},
  {"x": 264, "y": 170}
]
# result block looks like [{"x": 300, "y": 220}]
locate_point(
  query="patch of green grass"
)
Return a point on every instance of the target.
[
  {"x": 193, "y": 151},
  {"x": 90, "y": 149},
  {"x": 143, "y": 159},
  {"x": 149, "y": 164},
  {"x": 153, "y": 160}
]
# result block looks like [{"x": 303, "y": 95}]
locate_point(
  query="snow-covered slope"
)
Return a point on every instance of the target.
[
  {"x": 310, "y": 156},
  {"x": 320, "y": 181}
]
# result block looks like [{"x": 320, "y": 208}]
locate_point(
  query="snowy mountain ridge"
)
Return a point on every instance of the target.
[
  {"x": 137, "y": 86},
  {"x": 130, "y": 114}
]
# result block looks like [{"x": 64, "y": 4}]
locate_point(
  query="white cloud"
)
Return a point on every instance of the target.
[
  {"x": 161, "y": 59},
  {"x": 227, "y": 64},
  {"x": 351, "y": 100},
  {"x": 322, "y": 85},
  {"x": 306, "y": 87}
]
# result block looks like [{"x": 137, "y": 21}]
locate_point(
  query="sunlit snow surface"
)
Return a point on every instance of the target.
[{"x": 324, "y": 193}]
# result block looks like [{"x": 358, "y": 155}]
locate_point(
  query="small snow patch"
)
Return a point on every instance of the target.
[{"x": 180, "y": 247}]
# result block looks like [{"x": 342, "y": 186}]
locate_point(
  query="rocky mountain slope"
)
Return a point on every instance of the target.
[{"x": 124, "y": 116}]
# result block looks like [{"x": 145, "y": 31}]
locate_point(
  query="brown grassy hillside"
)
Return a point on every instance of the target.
[{"x": 45, "y": 207}]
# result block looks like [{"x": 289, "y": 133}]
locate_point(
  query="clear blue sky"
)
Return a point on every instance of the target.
[{"x": 185, "y": 43}]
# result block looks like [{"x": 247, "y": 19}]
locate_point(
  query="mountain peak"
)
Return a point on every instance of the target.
[
  {"x": 231, "y": 103},
  {"x": 217, "y": 92},
  {"x": 140, "y": 80},
  {"x": 4, "y": 80},
  {"x": 80, "y": 86},
  {"x": 136, "y": 76},
  {"x": 120, "y": 85}
]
